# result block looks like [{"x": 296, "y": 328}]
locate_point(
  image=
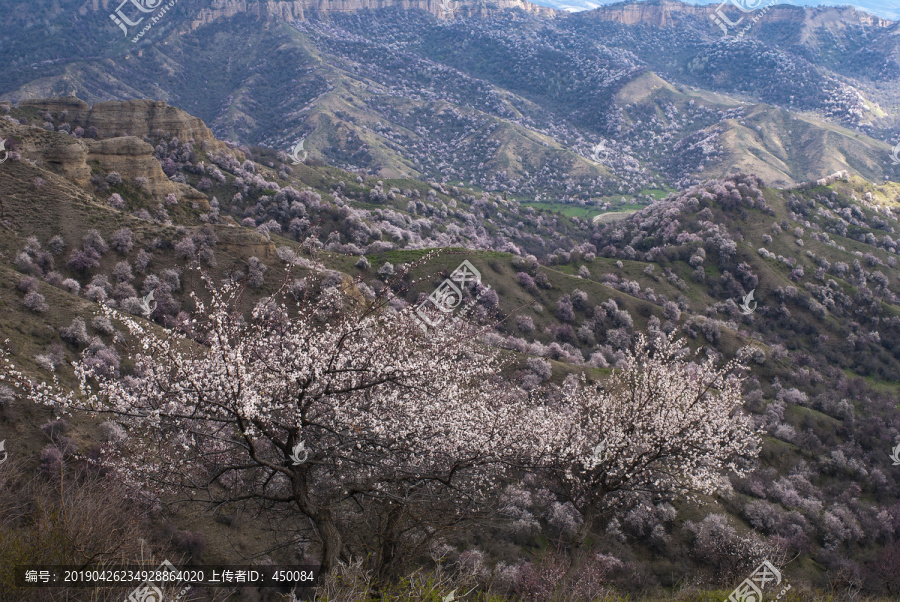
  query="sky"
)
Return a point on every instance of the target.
[{"x": 889, "y": 9}]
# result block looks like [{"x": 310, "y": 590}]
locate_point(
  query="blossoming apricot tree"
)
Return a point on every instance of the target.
[
  {"x": 380, "y": 412},
  {"x": 357, "y": 420},
  {"x": 662, "y": 425}
]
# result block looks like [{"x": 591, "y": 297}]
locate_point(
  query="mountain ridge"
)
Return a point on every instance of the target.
[
  {"x": 664, "y": 13},
  {"x": 875, "y": 10}
]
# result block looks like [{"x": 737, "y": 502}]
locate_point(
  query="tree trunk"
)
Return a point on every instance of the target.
[
  {"x": 331, "y": 540},
  {"x": 321, "y": 517},
  {"x": 579, "y": 550},
  {"x": 584, "y": 531},
  {"x": 388, "y": 542}
]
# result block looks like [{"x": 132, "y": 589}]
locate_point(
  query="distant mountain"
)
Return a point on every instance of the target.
[
  {"x": 585, "y": 108},
  {"x": 887, "y": 9}
]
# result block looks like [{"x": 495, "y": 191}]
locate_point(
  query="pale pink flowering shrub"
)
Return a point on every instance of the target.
[
  {"x": 116, "y": 201},
  {"x": 35, "y": 302},
  {"x": 122, "y": 241}
]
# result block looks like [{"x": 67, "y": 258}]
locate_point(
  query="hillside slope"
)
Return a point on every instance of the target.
[{"x": 90, "y": 219}]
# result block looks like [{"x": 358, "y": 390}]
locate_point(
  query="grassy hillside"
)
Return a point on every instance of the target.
[{"x": 820, "y": 259}]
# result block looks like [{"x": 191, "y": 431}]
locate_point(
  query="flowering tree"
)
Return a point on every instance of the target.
[
  {"x": 661, "y": 425},
  {"x": 325, "y": 413}
]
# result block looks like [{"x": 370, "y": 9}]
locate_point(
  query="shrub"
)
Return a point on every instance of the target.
[
  {"x": 103, "y": 325},
  {"x": 56, "y": 245},
  {"x": 54, "y": 428},
  {"x": 133, "y": 306},
  {"x": 44, "y": 260},
  {"x": 27, "y": 284},
  {"x": 564, "y": 309},
  {"x": 186, "y": 249},
  {"x": 192, "y": 542},
  {"x": 122, "y": 272},
  {"x": 102, "y": 359},
  {"x": 172, "y": 278},
  {"x": 113, "y": 432},
  {"x": 95, "y": 293},
  {"x": 525, "y": 323},
  {"x": 122, "y": 240},
  {"x": 123, "y": 290},
  {"x": 151, "y": 282},
  {"x": 386, "y": 271},
  {"x": 102, "y": 281},
  {"x": 71, "y": 285},
  {"x": 579, "y": 299},
  {"x": 35, "y": 302},
  {"x": 671, "y": 311},
  {"x": 76, "y": 333},
  {"x": 93, "y": 240},
  {"x": 26, "y": 265},
  {"x": 51, "y": 460},
  {"x": 142, "y": 260},
  {"x": 7, "y": 395},
  {"x": 540, "y": 368},
  {"x": 116, "y": 201},
  {"x": 82, "y": 260},
  {"x": 527, "y": 282},
  {"x": 208, "y": 256},
  {"x": 54, "y": 279}
]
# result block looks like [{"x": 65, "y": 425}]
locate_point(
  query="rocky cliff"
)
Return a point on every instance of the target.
[
  {"x": 131, "y": 157},
  {"x": 668, "y": 13},
  {"x": 301, "y": 9},
  {"x": 208, "y": 11},
  {"x": 140, "y": 118}
]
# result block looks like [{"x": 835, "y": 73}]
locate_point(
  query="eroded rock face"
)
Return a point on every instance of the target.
[
  {"x": 131, "y": 157},
  {"x": 667, "y": 13},
  {"x": 302, "y": 9},
  {"x": 58, "y": 153},
  {"x": 71, "y": 158},
  {"x": 662, "y": 14},
  {"x": 119, "y": 147},
  {"x": 139, "y": 118},
  {"x": 242, "y": 242},
  {"x": 74, "y": 108}
]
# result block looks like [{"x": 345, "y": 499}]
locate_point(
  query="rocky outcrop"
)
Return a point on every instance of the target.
[
  {"x": 668, "y": 13},
  {"x": 656, "y": 14},
  {"x": 245, "y": 243},
  {"x": 140, "y": 118},
  {"x": 131, "y": 157},
  {"x": 301, "y": 9},
  {"x": 58, "y": 153},
  {"x": 72, "y": 157}
]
